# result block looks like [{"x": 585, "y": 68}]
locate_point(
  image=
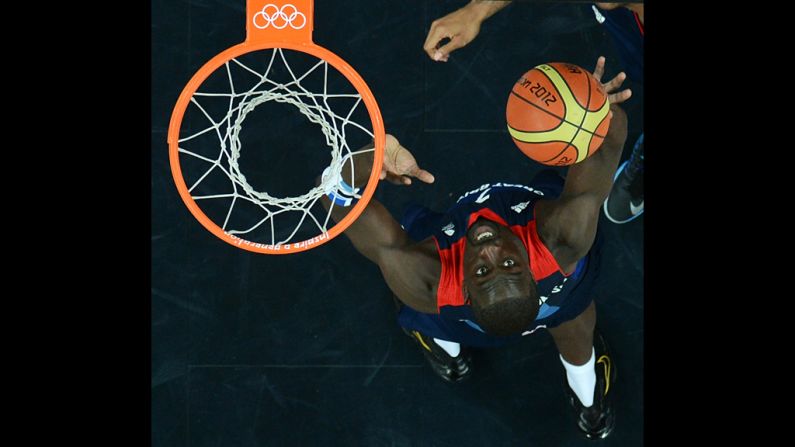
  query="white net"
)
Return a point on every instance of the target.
[{"x": 216, "y": 181}]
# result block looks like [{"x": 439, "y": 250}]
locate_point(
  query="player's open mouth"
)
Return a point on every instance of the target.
[
  {"x": 482, "y": 230},
  {"x": 484, "y": 234}
]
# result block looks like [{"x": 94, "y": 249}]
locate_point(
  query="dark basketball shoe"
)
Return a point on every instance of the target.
[
  {"x": 598, "y": 420},
  {"x": 625, "y": 201},
  {"x": 450, "y": 369}
]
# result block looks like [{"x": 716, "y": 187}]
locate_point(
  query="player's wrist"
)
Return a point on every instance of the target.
[
  {"x": 483, "y": 9},
  {"x": 338, "y": 190},
  {"x": 359, "y": 173}
]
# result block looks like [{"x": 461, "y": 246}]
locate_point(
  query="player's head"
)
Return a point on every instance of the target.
[{"x": 497, "y": 279}]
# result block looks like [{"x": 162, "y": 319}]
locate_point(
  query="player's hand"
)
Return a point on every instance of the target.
[
  {"x": 399, "y": 165},
  {"x": 460, "y": 26},
  {"x": 611, "y": 87}
]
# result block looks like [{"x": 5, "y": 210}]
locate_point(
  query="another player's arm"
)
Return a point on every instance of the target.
[
  {"x": 377, "y": 235},
  {"x": 568, "y": 224},
  {"x": 460, "y": 26}
]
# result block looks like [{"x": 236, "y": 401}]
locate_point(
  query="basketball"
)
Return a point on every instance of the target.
[{"x": 558, "y": 114}]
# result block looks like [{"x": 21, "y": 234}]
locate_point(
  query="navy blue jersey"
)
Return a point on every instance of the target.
[
  {"x": 513, "y": 206},
  {"x": 627, "y": 32}
]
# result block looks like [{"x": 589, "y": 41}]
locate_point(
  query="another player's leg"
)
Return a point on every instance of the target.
[{"x": 625, "y": 201}]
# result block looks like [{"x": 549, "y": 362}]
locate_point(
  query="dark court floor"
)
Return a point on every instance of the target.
[{"x": 256, "y": 350}]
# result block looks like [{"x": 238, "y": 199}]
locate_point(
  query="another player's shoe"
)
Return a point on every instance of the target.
[
  {"x": 625, "y": 201},
  {"x": 449, "y": 368},
  {"x": 598, "y": 420}
]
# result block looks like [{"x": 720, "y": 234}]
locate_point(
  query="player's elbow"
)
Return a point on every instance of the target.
[{"x": 579, "y": 231}]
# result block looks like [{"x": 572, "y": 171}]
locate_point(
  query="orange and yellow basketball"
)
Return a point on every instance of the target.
[{"x": 558, "y": 114}]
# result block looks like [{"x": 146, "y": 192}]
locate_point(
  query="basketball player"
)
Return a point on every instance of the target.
[
  {"x": 624, "y": 22},
  {"x": 504, "y": 261}
]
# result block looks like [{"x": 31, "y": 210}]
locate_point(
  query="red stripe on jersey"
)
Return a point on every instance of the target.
[
  {"x": 637, "y": 20},
  {"x": 451, "y": 281}
]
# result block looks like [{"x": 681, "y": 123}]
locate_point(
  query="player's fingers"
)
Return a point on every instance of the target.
[
  {"x": 615, "y": 82},
  {"x": 443, "y": 53},
  {"x": 394, "y": 178},
  {"x": 435, "y": 35},
  {"x": 599, "y": 69},
  {"x": 619, "y": 97},
  {"x": 424, "y": 176}
]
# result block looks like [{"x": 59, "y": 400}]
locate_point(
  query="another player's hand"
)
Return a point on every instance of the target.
[
  {"x": 611, "y": 87},
  {"x": 399, "y": 165},
  {"x": 460, "y": 26}
]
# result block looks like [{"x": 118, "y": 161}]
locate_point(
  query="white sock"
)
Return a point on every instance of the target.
[
  {"x": 582, "y": 379},
  {"x": 450, "y": 347}
]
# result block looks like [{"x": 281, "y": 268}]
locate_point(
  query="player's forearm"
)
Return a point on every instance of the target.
[
  {"x": 594, "y": 176},
  {"x": 375, "y": 228},
  {"x": 487, "y": 8},
  {"x": 355, "y": 172}
]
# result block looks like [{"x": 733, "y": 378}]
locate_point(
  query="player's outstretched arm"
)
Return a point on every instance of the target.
[
  {"x": 567, "y": 225},
  {"x": 376, "y": 230},
  {"x": 407, "y": 267}
]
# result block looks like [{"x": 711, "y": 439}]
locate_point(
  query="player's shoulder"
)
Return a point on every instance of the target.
[{"x": 413, "y": 273}]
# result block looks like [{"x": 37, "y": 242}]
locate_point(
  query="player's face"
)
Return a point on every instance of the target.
[{"x": 492, "y": 250}]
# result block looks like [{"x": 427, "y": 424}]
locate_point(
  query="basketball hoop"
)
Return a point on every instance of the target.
[{"x": 205, "y": 149}]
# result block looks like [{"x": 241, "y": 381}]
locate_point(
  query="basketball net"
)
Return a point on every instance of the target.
[
  {"x": 313, "y": 105},
  {"x": 273, "y": 26}
]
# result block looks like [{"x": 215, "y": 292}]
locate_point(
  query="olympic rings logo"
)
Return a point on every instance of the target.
[{"x": 280, "y": 17}]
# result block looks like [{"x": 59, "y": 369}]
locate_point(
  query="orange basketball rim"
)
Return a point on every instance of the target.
[{"x": 277, "y": 24}]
